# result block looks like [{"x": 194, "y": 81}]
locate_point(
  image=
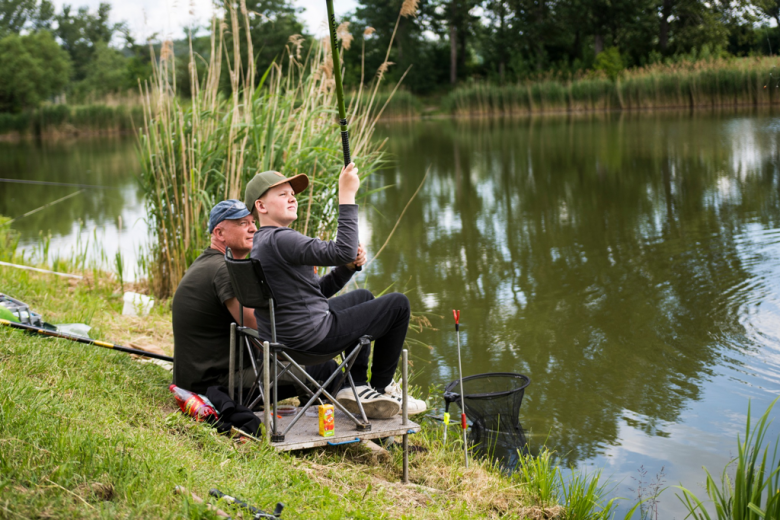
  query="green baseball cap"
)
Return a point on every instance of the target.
[{"x": 264, "y": 181}]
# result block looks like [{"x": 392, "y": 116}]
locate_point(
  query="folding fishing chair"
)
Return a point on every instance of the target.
[{"x": 252, "y": 290}]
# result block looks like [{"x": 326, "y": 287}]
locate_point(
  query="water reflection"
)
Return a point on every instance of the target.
[
  {"x": 608, "y": 258},
  {"x": 92, "y": 215}
]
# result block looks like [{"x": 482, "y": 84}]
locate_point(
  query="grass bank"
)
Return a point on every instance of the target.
[
  {"x": 52, "y": 121},
  {"x": 686, "y": 85},
  {"x": 88, "y": 432}
]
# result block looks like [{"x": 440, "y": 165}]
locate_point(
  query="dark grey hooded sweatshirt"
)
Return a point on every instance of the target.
[{"x": 300, "y": 295}]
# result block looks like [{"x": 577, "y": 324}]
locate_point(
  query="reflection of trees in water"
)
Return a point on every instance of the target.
[
  {"x": 107, "y": 162},
  {"x": 598, "y": 256}
]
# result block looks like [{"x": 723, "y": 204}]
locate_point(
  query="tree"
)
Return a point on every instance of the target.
[
  {"x": 16, "y": 15},
  {"x": 33, "y": 68},
  {"x": 80, "y": 32},
  {"x": 106, "y": 74},
  {"x": 770, "y": 8},
  {"x": 271, "y": 23},
  {"x": 419, "y": 42}
]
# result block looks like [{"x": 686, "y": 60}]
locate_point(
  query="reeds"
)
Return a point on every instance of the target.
[
  {"x": 702, "y": 84},
  {"x": 197, "y": 152},
  {"x": 754, "y": 492}
]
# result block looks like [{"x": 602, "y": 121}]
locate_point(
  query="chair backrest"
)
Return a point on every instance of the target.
[{"x": 249, "y": 282}]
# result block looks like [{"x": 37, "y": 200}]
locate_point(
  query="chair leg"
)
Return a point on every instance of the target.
[
  {"x": 361, "y": 426},
  {"x": 275, "y": 437},
  {"x": 241, "y": 376},
  {"x": 232, "y": 362},
  {"x": 357, "y": 399},
  {"x": 266, "y": 383}
]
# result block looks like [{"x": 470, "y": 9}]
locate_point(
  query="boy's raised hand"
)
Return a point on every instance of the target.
[{"x": 349, "y": 183}]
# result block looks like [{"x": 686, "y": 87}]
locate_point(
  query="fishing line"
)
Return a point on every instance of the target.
[
  {"x": 67, "y": 184},
  {"x": 36, "y": 210}
]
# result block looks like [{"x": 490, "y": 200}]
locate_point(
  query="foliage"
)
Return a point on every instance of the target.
[
  {"x": 609, "y": 62},
  {"x": 581, "y": 495},
  {"x": 711, "y": 83},
  {"x": 754, "y": 492},
  {"x": 80, "y": 32},
  {"x": 16, "y": 15},
  {"x": 33, "y": 68},
  {"x": 107, "y": 74},
  {"x": 58, "y": 119}
]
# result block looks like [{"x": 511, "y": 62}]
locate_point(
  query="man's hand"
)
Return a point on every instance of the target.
[
  {"x": 360, "y": 260},
  {"x": 349, "y": 183}
]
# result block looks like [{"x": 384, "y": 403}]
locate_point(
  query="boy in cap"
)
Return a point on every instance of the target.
[
  {"x": 306, "y": 319},
  {"x": 204, "y": 306}
]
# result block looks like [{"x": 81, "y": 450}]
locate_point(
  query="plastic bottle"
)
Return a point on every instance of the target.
[{"x": 193, "y": 405}]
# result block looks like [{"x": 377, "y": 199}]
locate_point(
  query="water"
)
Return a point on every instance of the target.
[
  {"x": 108, "y": 218},
  {"x": 628, "y": 264}
]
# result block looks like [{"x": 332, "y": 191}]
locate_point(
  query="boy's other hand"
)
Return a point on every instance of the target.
[
  {"x": 349, "y": 183},
  {"x": 360, "y": 260}
]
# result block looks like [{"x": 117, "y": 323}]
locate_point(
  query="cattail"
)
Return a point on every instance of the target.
[
  {"x": 409, "y": 8},
  {"x": 343, "y": 34},
  {"x": 368, "y": 31},
  {"x": 297, "y": 41},
  {"x": 166, "y": 51},
  {"x": 383, "y": 68}
]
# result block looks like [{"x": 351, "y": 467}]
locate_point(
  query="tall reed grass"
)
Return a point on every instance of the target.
[
  {"x": 196, "y": 152},
  {"x": 703, "y": 84}
]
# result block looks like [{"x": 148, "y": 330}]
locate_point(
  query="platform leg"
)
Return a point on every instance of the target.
[
  {"x": 266, "y": 392},
  {"x": 405, "y": 411}
]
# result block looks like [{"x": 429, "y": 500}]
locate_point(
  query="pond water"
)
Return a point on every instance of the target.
[{"x": 628, "y": 264}]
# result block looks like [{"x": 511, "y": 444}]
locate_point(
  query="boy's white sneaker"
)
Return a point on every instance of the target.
[
  {"x": 413, "y": 406},
  {"x": 376, "y": 405}
]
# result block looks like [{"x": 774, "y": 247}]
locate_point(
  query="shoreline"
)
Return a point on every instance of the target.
[{"x": 62, "y": 134}]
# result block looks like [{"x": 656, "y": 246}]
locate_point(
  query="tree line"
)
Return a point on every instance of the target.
[{"x": 79, "y": 55}]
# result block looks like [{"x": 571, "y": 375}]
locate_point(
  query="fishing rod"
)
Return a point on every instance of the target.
[
  {"x": 334, "y": 51},
  {"x": 463, "y": 425},
  {"x": 257, "y": 513},
  {"x": 82, "y": 339}
]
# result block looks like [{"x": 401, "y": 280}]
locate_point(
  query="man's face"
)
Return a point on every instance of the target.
[
  {"x": 279, "y": 205},
  {"x": 238, "y": 233}
]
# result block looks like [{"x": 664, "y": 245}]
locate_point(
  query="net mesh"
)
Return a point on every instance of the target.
[{"x": 492, "y": 404}]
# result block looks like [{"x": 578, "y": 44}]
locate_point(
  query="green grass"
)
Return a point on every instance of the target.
[
  {"x": 754, "y": 491},
  {"x": 92, "y": 433}
]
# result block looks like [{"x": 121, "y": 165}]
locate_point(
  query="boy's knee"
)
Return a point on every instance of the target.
[
  {"x": 364, "y": 295},
  {"x": 400, "y": 300}
]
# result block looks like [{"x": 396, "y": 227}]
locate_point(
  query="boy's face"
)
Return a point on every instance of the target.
[{"x": 278, "y": 206}]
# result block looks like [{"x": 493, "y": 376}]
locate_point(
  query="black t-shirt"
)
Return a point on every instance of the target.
[{"x": 201, "y": 323}]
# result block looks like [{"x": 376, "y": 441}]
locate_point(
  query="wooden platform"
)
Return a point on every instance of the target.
[{"x": 305, "y": 433}]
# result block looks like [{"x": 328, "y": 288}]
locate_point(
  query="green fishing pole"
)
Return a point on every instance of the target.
[{"x": 334, "y": 51}]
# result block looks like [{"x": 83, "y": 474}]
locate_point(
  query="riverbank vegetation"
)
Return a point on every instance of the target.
[
  {"x": 705, "y": 83},
  {"x": 463, "y": 56}
]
